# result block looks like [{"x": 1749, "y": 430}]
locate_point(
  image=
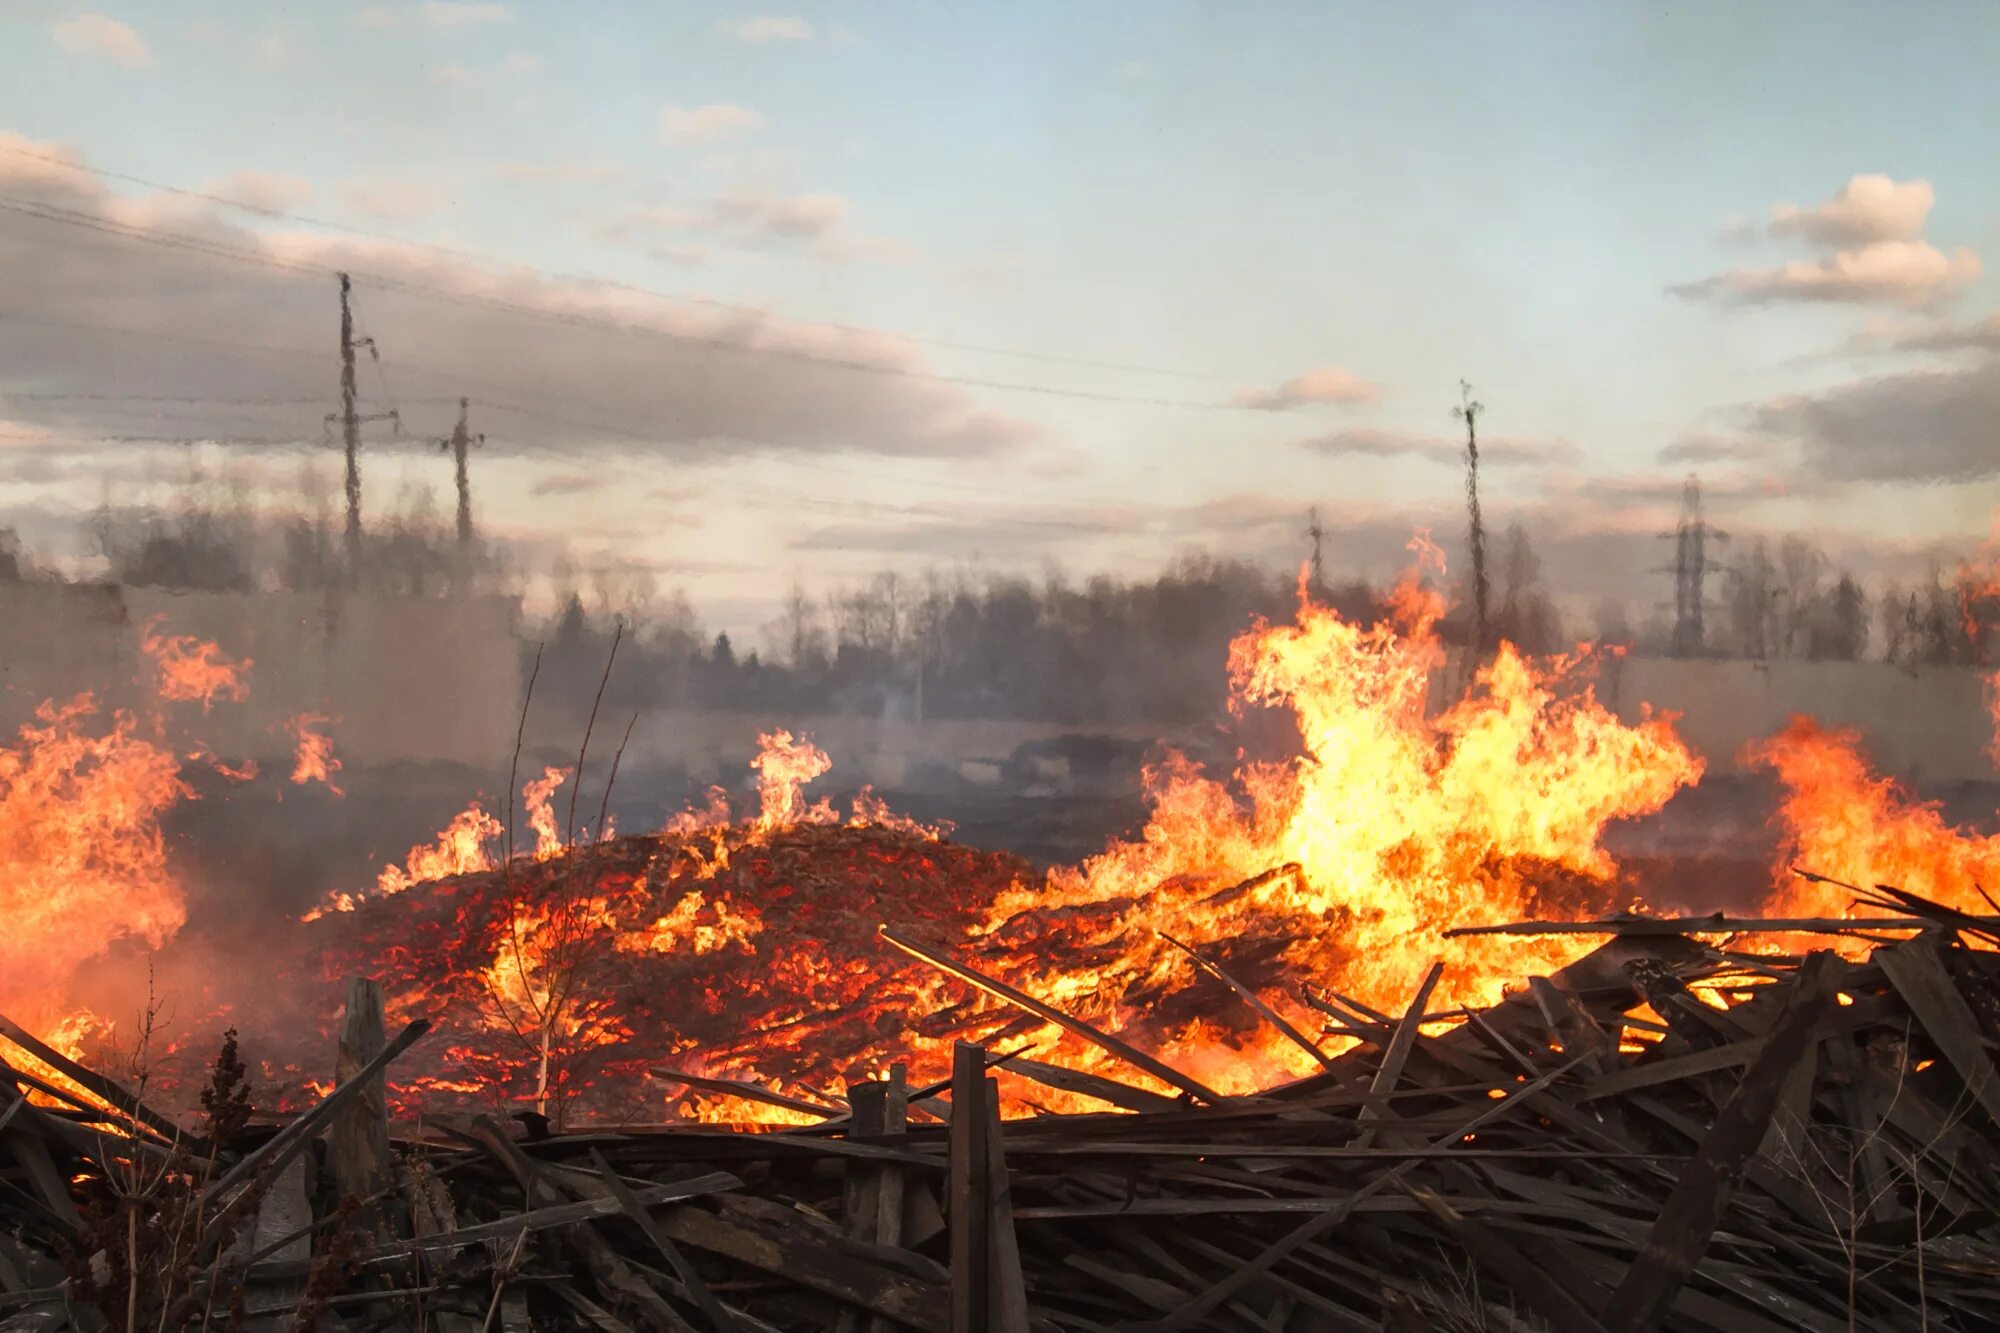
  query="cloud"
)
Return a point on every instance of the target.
[
  {"x": 1920, "y": 426},
  {"x": 564, "y": 172},
  {"x": 1867, "y": 209},
  {"x": 569, "y": 483},
  {"x": 451, "y": 76},
  {"x": 1709, "y": 448},
  {"x": 703, "y": 124},
  {"x": 523, "y": 62},
  {"x": 1379, "y": 442},
  {"x": 1873, "y": 253},
  {"x": 435, "y": 15},
  {"x": 760, "y": 31},
  {"x": 397, "y": 199},
  {"x": 751, "y": 219},
  {"x": 1981, "y": 335},
  {"x": 261, "y": 190},
  {"x": 1329, "y": 384},
  {"x": 1908, "y": 273},
  {"x": 552, "y": 365},
  {"x": 107, "y": 38}
]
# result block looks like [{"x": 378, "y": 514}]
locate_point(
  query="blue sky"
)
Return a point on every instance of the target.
[{"x": 1571, "y": 205}]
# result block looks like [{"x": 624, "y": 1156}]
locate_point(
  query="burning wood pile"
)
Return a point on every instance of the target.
[{"x": 1676, "y": 1131}]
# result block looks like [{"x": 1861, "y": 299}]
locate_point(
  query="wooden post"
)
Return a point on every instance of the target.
[
  {"x": 1009, "y": 1290},
  {"x": 968, "y": 1209},
  {"x": 358, "y": 1139}
]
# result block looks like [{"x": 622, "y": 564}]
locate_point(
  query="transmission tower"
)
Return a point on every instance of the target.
[{"x": 1691, "y": 568}]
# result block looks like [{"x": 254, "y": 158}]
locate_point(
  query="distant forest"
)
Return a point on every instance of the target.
[{"x": 1101, "y": 649}]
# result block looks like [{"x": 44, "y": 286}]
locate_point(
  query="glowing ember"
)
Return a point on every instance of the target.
[
  {"x": 314, "y": 760},
  {"x": 82, "y": 862},
  {"x": 191, "y": 670}
]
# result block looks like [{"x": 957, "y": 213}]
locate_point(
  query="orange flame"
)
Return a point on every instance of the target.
[
  {"x": 193, "y": 670},
  {"x": 536, "y": 799},
  {"x": 314, "y": 760},
  {"x": 82, "y": 862},
  {"x": 1400, "y": 825},
  {"x": 1842, "y": 821},
  {"x": 783, "y": 766}
]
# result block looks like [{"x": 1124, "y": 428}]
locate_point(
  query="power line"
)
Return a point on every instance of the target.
[
  {"x": 696, "y": 448},
  {"x": 764, "y": 496},
  {"x": 216, "y": 250},
  {"x": 706, "y": 302}
]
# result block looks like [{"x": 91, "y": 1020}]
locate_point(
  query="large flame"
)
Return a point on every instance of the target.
[
  {"x": 82, "y": 862},
  {"x": 1400, "y": 824},
  {"x": 1842, "y": 821}
]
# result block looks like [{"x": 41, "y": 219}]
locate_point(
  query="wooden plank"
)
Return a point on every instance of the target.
[
  {"x": 1009, "y": 1292},
  {"x": 1394, "y": 1057},
  {"x": 284, "y": 1214},
  {"x": 711, "y": 1309},
  {"x": 1919, "y": 976},
  {"x": 1254, "y": 1000},
  {"x": 1671, "y": 1070},
  {"x": 1543, "y": 1292},
  {"x": 1110, "y": 1091},
  {"x": 899, "y": 1295},
  {"x": 1104, "y": 1041},
  {"x": 1221, "y": 1292},
  {"x": 1686, "y": 1224},
  {"x": 113, "y": 1094},
  {"x": 889, "y": 1190}
]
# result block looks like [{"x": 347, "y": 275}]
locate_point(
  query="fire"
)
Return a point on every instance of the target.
[
  {"x": 537, "y": 800},
  {"x": 82, "y": 861},
  {"x": 68, "y": 1035},
  {"x": 783, "y": 766},
  {"x": 1390, "y": 826},
  {"x": 460, "y": 849},
  {"x": 314, "y": 760},
  {"x": 193, "y": 670},
  {"x": 1842, "y": 821},
  {"x": 700, "y": 924}
]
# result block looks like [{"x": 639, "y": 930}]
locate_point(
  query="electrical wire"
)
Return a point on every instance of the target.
[{"x": 58, "y": 215}]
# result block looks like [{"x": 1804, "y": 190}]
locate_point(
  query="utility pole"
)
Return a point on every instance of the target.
[
  {"x": 350, "y": 431},
  {"x": 1317, "y": 575},
  {"x": 1690, "y": 569},
  {"x": 459, "y": 443},
  {"x": 1468, "y": 412},
  {"x": 350, "y": 425}
]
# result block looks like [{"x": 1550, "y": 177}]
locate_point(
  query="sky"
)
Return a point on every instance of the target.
[{"x": 745, "y": 296}]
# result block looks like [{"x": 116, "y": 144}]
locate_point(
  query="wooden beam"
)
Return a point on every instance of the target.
[
  {"x": 1686, "y": 1224},
  {"x": 1131, "y": 1055}
]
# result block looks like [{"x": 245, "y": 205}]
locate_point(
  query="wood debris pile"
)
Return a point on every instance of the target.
[{"x": 1671, "y": 1133}]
